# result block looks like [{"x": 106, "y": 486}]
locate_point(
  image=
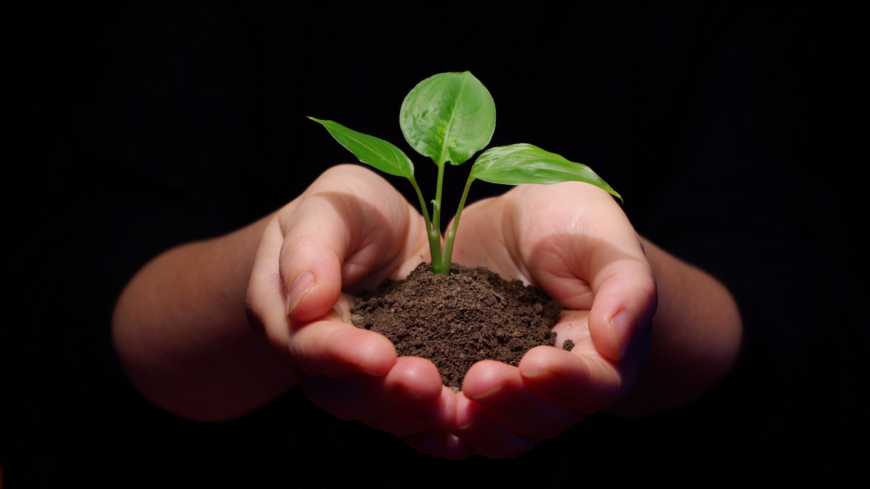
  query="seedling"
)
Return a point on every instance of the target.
[{"x": 448, "y": 118}]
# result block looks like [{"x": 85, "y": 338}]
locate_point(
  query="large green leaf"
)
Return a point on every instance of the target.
[
  {"x": 370, "y": 150},
  {"x": 448, "y": 117},
  {"x": 523, "y": 163}
]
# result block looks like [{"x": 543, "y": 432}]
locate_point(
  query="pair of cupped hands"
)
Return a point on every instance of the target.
[{"x": 351, "y": 229}]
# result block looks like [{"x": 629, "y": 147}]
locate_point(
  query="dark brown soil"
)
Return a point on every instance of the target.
[{"x": 458, "y": 320}]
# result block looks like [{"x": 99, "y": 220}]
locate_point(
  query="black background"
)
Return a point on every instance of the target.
[{"x": 728, "y": 127}]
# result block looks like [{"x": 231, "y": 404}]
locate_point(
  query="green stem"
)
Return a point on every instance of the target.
[
  {"x": 432, "y": 233},
  {"x": 422, "y": 203},
  {"x": 437, "y": 265},
  {"x": 436, "y": 211},
  {"x": 451, "y": 235}
]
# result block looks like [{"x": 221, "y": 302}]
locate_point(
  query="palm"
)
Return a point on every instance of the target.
[
  {"x": 349, "y": 231},
  {"x": 575, "y": 243}
]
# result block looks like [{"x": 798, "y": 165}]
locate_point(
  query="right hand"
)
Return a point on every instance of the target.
[
  {"x": 574, "y": 242},
  {"x": 349, "y": 231}
]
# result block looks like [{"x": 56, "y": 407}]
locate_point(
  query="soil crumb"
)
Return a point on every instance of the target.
[{"x": 458, "y": 320}]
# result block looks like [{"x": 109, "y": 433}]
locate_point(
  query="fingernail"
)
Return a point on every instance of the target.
[
  {"x": 533, "y": 374},
  {"x": 300, "y": 287},
  {"x": 372, "y": 373},
  {"x": 487, "y": 393},
  {"x": 623, "y": 327}
]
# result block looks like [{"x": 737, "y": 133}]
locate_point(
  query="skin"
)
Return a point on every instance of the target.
[
  {"x": 214, "y": 329},
  {"x": 574, "y": 242}
]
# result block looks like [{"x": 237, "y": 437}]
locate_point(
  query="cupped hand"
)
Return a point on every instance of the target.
[
  {"x": 573, "y": 241},
  {"x": 349, "y": 231}
]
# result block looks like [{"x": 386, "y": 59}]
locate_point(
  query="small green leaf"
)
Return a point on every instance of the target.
[
  {"x": 370, "y": 150},
  {"x": 523, "y": 163},
  {"x": 448, "y": 117}
]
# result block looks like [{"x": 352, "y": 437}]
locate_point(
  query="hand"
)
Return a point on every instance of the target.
[
  {"x": 573, "y": 241},
  {"x": 349, "y": 230}
]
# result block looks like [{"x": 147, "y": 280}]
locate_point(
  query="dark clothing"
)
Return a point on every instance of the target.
[{"x": 726, "y": 128}]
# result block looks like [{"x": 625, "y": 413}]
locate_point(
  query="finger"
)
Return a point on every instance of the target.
[
  {"x": 350, "y": 224},
  {"x": 625, "y": 301},
  {"x": 264, "y": 301},
  {"x": 417, "y": 377},
  {"x": 515, "y": 402},
  {"x": 410, "y": 381},
  {"x": 414, "y": 415},
  {"x": 316, "y": 238},
  {"x": 327, "y": 346},
  {"x": 332, "y": 348},
  {"x": 584, "y": 254},
  {"x": 552, "y": 232},
  {"x": 580, "y": 383},
  {"x": 485, "y": 435},
  {"x": 384, "y": 403},
  {"x": 311, "y": 280},
  {"x": 619, "y": 289}
]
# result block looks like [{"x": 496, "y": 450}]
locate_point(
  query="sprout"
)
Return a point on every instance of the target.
[{"x": 449, "y": 117}]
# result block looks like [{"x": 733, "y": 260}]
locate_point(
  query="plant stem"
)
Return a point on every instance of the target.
[
  {"x": 422, "y": 202},
  {"x": 432, "y": 233},
  {"x": 436, "y": 210},
  {"x": 437, "y": 266},
  {"x": 451, "y": 234}
]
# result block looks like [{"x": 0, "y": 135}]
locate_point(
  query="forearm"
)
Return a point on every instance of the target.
[
  {"x": 181, "y": 333},
  {"x": 696, "y": 337}
]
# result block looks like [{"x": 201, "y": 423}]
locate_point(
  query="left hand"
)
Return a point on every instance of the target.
[
  {"x": 573, "y": 241},
  {"x": 348, "y": 231}
]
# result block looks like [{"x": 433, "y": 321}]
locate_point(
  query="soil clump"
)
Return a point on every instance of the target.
[{"x": 458, "y": 320}]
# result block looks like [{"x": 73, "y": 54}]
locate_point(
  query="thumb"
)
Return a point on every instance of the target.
[
  {"x": 350, "y": 226},
  {"x": 324, "y": 345},
  {"x": 625, "y": 299},
  {"x": 310, "y": 264},
  {"x": 279, "y": 287}
]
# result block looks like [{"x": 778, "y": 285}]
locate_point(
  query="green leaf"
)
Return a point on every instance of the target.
[
  {"x": 370, "y": 150},
  {"x": 523, "y": 163},
  {"x": 448, "y": 117}
]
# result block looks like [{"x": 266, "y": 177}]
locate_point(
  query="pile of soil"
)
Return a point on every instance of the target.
[{"x": 455, "y": 321}]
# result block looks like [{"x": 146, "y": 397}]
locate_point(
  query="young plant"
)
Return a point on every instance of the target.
[{"x": 448, "y": 118}]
